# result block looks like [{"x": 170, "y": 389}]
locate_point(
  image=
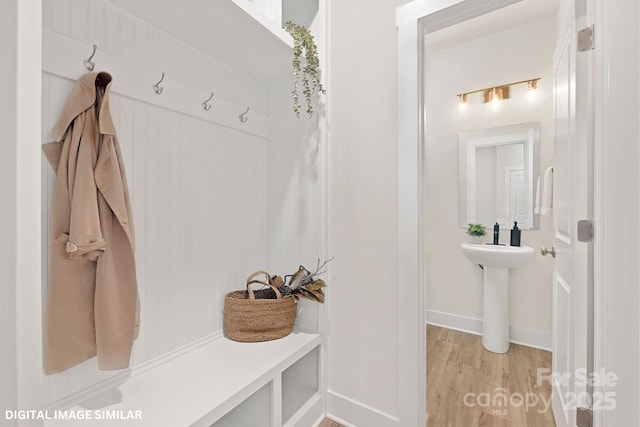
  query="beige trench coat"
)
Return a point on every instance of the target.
[{"x": 92, "y": 300}]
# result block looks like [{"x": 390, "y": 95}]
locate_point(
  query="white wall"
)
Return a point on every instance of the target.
[
  {"x": 19, "y": 188},
  {"x": 363, "y": 214},
  {"x": 8, "y": 234},
  {"x": 296, "y": 159},
  {"x": 212, "y": 201},
  {"x": 455, "y": 285},
  {"x": 197, "y": 189},
  {"x": 295, "y": 195}
]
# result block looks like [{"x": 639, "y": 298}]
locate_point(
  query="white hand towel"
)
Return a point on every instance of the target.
[
  {"x": 536, "y": 209},
  {"x": 547, "y": 193}
]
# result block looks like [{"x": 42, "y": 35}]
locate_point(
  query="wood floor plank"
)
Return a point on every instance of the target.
[
  {"x": 328, "y": 423},
  {"x": 468, "y": 386},
  {"x": 502, "y": 389}
]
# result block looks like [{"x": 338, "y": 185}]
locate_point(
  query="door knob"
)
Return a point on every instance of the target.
[{"x": 545, "y": 251}]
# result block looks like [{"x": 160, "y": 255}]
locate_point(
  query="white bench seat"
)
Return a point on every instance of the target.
[{"x": 200, "y": 386}]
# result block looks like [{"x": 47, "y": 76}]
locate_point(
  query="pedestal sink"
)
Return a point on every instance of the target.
[{"x": 496, "y": 261}]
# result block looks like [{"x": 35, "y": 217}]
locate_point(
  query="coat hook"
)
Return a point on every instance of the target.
[
  {"x": 88, "y": 64},
  {"x": 206, "y": 105},
  {"x": 156, "y": 87},
  {"x": 243, "y": 116}
]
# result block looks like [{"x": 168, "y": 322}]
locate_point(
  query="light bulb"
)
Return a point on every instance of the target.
[
  {"x": 462, "y": 101},
  {"x": 496, "y": 95}
]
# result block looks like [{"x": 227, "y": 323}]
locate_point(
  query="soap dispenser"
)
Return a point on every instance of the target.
[
  {"x": 496, "y": 234},
  {"x": 515, "y": 235}
]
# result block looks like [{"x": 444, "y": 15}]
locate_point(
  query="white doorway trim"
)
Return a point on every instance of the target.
[
  {"x": 617, "y": 207},
  {"x": 412, "y": 197},
  {"x": 26, "y": 247},
  {"x": 411, "y": 290},
  {"x": 411, "y": 251}
]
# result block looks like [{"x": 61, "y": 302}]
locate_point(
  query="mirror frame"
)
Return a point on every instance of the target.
[{"x": 469, "y": 142}]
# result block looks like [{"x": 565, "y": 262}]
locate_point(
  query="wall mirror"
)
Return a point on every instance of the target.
[{"x": 498, "y": 174}]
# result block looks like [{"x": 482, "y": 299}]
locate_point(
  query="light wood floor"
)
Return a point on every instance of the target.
[{"x": 458, "y": 365}]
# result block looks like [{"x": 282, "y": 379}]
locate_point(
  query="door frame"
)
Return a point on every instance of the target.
[
  {"x": 412, "y": 198},
  {"x": 616, "y": 248},
  {"x": 22, "y": 356},
  {"x": 617, "y": 210}
]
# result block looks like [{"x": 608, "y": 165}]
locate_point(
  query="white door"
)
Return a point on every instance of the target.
[
  {"x": 516, "y": 200},
  {"x": 571, "y": 336}
]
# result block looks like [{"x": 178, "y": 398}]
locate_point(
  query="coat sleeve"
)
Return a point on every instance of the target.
[
  {"x": 85, "y": 233},
  {"x": 52, "y": 151}
]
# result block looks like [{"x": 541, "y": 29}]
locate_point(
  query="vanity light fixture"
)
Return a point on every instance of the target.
[
  {"x": 462, "y": 101},
  {"x": 498, "y": 93}
]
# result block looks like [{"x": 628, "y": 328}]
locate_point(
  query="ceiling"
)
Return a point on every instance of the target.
[{"x": 511, "y": 16}]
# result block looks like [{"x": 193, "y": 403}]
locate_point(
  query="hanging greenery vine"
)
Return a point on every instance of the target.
[{"x": 307, "y": 72}]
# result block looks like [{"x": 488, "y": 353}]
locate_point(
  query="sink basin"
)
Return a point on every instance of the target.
[
  {"x": 496, "y": 261},
  {"x": 498, "y": 256}
]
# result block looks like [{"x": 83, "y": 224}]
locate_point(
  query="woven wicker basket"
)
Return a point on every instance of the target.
[{"x": 251, "y": 319}]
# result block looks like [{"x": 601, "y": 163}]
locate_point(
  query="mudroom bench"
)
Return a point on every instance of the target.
[{"x": 222, "y": 383}]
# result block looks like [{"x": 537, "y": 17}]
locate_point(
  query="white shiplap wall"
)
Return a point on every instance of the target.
[
  {"x": 198, "y": 188},
  {"x": 296, "y": 189}
]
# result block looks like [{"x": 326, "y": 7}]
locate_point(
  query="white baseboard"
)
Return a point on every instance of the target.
[
  {"x": 528, "y": 337},
  {"x": 351, "y": 413},
  {"x": 320, "y": 420}
]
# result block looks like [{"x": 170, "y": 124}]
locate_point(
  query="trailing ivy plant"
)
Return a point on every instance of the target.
[{"x": 306, "y": 67}]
